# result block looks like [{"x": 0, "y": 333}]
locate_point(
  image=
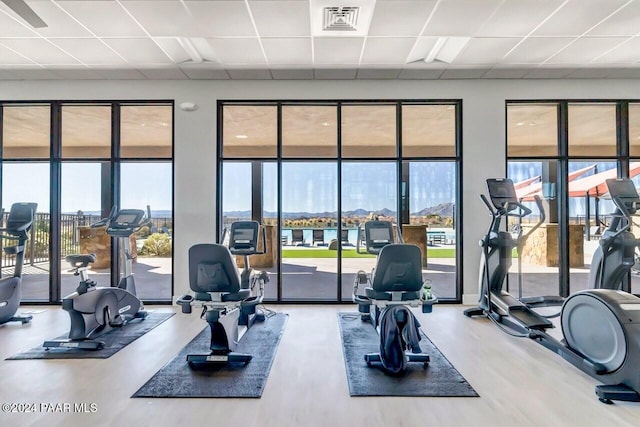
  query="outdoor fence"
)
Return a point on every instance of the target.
[{"x": 37, "y": 248}]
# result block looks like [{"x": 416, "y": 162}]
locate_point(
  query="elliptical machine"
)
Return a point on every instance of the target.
[
  {"x": 96, "y": 310},
  {"x": 226, "y": 295},
  {"x": 19, "y": 223},
  {"x": 394, "y": 285},
  {"x": 601, "y": 327},
  {"x": 616, "y": 254}
]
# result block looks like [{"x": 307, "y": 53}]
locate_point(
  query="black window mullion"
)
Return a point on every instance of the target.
[
  {"x": 339, "y": 213},
  {"x": 563, "y": 198},
  {"x": 110, "y": 187},
  {"x": 55, "y": 203},
  {"x": 622, "y": 138},
  {"x": 279, "y": 221}
]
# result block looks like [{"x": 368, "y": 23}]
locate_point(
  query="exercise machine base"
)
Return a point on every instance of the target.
[
  {"x": 218, "y": 359},
  {"x": 81, "y": 345},
  {"x": 608, "y": 393},
  {"x": 21, "y": 319},
  {"x": 374, "y": 358}
]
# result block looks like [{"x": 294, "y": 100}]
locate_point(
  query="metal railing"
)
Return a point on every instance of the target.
[{"x": 37, "y": 250}]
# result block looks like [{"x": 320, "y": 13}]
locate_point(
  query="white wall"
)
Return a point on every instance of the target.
[{"x": 195, "y": 134}]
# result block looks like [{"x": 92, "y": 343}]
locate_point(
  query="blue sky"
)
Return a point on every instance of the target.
[
  {"x": 142, "y": 184},
  {"x": 312, "y": 186}
]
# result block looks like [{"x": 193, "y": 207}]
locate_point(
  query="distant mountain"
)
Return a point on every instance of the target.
[
  {"x": 443, "y": 209},
  {"x": 295, "y": 215}
]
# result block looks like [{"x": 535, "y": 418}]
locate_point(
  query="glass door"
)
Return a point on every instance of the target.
[{"x": 309, "y": 231}]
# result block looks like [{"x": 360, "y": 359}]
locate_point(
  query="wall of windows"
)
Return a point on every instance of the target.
[
  {"x": 314, "y": 172},
  {"x": 76, "y": 160},
  {"x": 562, "y": 151}
]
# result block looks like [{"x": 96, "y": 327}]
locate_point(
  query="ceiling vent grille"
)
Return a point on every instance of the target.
[{"x": 343, "y": 18}]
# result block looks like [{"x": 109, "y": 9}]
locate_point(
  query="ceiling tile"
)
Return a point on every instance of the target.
[
  {"x": 105, "y": 18},
  {"x": 413, "y": 15},
  {"x": 7, "y": 56},
  {"x": 220, "y": 18},
  {"x": 464, "y": 73},
  {"x": 420, "y": 74},
  {"x": 160, "y": 18},
  {"x": 506, "y": 73},
  {"x": 281, "y": 18},
  {"x": 40, "y": 51},
  {"x": 485, "y": 50},
  {"x": 139, "y": 51},
  {"x": 238, "y": 51},
  {"x": 335, "y": 73},
  {"x": 421, "y": 48},
  {"x": 120, "y": 73},
  {"x": 198, "y": 73},
  {"x": 584, "y": 50},
  {"x": 297, "y": 74},
  {"x": 171, "y": 73},
  {"x": 10, "y": 27},
  {"x": 249, "y": 74},
  {"x": 549, "y": 72},
  {"x": 535, "y": 50},
  {"x": 517, "y": 18},
  {"x": 387, "y": 50},
  {"x": 460, "y": 17},
  {"x": 89, "y": 51},
  {"x": 628, "y": 52},
  {"x": 287, "y": 50},
  {"x": 60, "y": 24},
  {"x": 578, "y": 16},
  {"x": 335, "y": 50},
  {"x": 622, "y": 23},
  {"x": 377, "y": 73}
]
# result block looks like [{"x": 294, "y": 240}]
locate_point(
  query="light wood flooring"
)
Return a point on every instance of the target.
[{"x": 520, "y": 383}]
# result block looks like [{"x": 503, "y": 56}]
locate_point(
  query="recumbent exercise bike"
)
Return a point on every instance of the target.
[
  {"x": 225, "y": 294},
  {"x": 394, "y": 285}
]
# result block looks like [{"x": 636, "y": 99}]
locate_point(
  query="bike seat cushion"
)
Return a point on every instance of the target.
[
  {"x": 398, "y": 269},
  {"x": 238, "y": 296},
  {"x": 80, "y": 260},
  {"x": 388, "y": 296},
  {"x": 212, "y": 268}
]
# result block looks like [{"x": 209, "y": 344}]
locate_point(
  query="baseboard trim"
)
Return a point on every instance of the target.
[{"x": 470, "y": 299}]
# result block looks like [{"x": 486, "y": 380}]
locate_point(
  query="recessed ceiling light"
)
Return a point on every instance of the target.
[
  {"x": 164, "y": 124},
  {"x": 325, "y": 124},
  {"x": 520, "y": 124},
  {"x": 242, "y": 136},
  {"x": 532, "y": 124}
]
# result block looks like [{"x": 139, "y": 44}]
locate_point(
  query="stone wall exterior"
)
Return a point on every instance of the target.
[
  {"x": 97, "y": 241},
  {"x": 541, "y": 247},
  {"x": 416, "y": 235},
  {"x": 268, "y": 259}
]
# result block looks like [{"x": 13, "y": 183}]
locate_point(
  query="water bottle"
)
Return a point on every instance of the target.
[{"x": 426, "y": 290}]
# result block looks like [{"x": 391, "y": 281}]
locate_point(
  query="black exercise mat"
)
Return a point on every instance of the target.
[
  {"x": 114, "y": 341},
  {"x": 439, "y": 379},
  {"x": 176, "y": 379}
]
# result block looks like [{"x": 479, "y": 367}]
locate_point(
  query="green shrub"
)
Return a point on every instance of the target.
[{"x": 157, "y": 244}]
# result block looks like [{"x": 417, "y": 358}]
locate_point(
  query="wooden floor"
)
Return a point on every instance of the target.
[{"x": 520, "y": 383}]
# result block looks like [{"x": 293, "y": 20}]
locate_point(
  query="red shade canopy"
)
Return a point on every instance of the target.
[
  {"x": 596, "y": 185},
  {"x": 526, "y": 193}
]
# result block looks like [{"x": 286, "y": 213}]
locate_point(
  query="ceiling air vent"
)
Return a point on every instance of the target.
[{"x": 344, "y": 18}]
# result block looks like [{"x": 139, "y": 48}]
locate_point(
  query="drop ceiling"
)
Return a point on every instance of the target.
[{"x": 265, "y": 39}]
